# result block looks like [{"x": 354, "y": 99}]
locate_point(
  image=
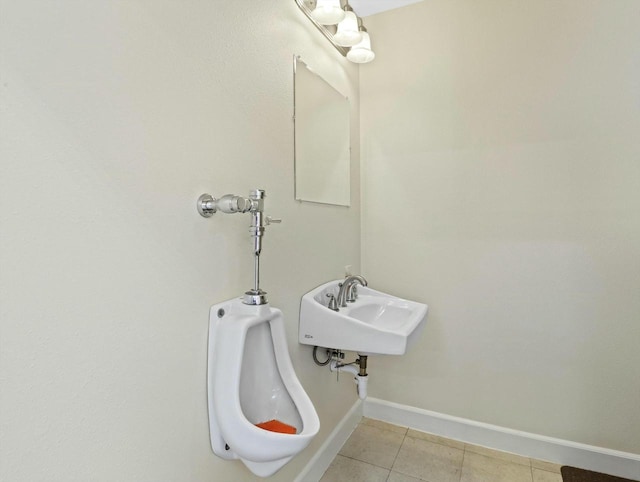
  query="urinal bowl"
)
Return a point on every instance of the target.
[{"x": 251, "y": 380}]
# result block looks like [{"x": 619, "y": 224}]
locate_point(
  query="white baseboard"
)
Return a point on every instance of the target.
[
  {"x": 319, "y": 463},
  {"x": 621, "y": 464}
]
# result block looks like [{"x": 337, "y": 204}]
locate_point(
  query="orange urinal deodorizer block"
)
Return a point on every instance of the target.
[{"x": 276, "y": 426}]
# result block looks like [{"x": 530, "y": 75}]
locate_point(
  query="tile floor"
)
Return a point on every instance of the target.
[{"x": 381, "y": 452}]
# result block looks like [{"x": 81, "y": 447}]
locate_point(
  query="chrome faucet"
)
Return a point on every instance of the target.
[{"x": 346, "y": 288}]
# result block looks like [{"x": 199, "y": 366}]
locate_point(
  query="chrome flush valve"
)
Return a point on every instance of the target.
[
  {"x": 254, "y": 204},
  {"x": 229, "y": 203}
]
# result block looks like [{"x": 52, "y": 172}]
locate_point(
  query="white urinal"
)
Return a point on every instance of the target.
[{"x": 250, "y": 381}]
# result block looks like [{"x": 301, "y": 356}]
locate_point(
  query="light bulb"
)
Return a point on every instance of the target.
[
  {"x": 328, "y": 12},
  {"x": 348, "y": 33},
  {"x": 361, "y": 53}
]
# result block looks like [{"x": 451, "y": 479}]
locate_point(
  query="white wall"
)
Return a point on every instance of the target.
[
  {"x": 115, "y": 117},
  {"x": 501, "y": 181}
]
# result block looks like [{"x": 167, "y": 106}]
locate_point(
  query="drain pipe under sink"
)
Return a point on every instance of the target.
[{"x": 360, "y": 374}]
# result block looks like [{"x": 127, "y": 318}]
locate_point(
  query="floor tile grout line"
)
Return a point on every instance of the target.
[
  {"x": 464, "y": 454},
  {"x": 394, "y": 459},
  {"x": 363, "y": 461},
  {"x": 386, "y": 430},
  {"x": 399, "y": 448},
  {"x": 529, "y": 459},
  {"x": 404, "y": 436},
  {"x": 429, "y": 441},
  {"x": 389, "y": 476}
]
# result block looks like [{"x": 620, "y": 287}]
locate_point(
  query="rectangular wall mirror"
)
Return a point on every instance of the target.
[{"x": 322, "y": 139}]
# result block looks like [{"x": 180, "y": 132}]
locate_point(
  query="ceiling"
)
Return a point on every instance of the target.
[{"x": 364, "y": 8}]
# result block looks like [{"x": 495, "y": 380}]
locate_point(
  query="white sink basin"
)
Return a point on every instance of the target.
[{"x": 376, "y": 323}]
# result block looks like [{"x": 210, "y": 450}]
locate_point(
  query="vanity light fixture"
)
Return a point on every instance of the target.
[
  {"x": 348, "y": 33},
  {"x": 361, "y": 53},
  {"x": 328, "y": 12},
  {"x": 350, "y": 38}
]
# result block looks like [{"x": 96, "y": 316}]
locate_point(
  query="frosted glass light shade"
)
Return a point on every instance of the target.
[
  {"x": 361, "y": 53},
  {"x": 328, "y": 12},
  {"x": 348, "y": 33}
]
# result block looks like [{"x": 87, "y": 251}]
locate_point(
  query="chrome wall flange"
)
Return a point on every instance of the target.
[
  {"x": 207, "y": 205},
  {"x": 255, "y": 297}
]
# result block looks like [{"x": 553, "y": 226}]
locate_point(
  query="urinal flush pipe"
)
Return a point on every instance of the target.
[
  {"x": 254, "y": 204},
  {"x": 360, "y": 374}
]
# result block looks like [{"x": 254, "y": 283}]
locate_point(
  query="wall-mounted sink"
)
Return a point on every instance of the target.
[{"x": 376, "y": 323}]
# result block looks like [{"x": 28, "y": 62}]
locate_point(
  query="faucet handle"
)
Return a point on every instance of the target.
[
  {"x": 269, "y": 220},
  {"x": 333, "y": 304}
]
